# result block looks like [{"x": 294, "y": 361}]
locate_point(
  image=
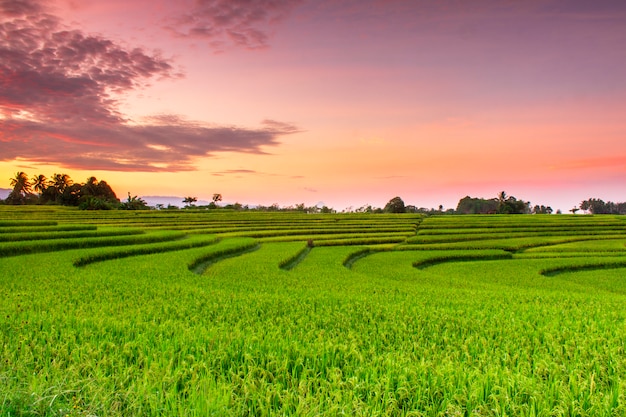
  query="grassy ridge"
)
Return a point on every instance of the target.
[{"x": 120, "y": 238}]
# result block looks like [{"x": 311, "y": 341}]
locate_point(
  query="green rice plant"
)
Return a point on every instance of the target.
[
  {"x": 145, "y": 335},
  {"x": 339, "y": 239},
  {"x": 462, "y": 256},
  {"x": 356, "y": 255},
  {"x": 41, "y": 229},
  {"x": 16, "y": 237},
  {"x": 586, "y": 265},
  {"x": 365, "y": 240},
  {"x": 597, "y": 245},
  {"x": 119, "y": 239},
  {"x": 26, "y": 223},
  {"x": 466, "y": 237},
  {"x": 146, "y": 249},
  {"x": 292, "y": 261},
  {"x": 513, "y": 244},
  {"x": 229, "y": 248}
]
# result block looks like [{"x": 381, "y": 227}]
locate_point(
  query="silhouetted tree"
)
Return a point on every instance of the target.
[
  {"x": 469, "y": 205},
  {"x": 189, "y": 201},
  {"x": 511, "y": 205},
  {"x": 395, "y": 205},
  {"x": 21, "y": 189},
  {"x": 134, "y": 203},
  {"x": 542, "y": 209},
  {"x": 60, "y": 182},
  {"x": 40, "y": 183}
]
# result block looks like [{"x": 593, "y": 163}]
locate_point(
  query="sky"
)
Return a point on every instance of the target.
[{"x": 344, "y": 102}]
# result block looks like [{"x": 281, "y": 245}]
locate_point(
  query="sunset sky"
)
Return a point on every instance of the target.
[{"x": 345, "y": 102}]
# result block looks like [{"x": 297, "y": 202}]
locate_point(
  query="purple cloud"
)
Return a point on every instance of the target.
[
  {"x": 58, "y": 90},
  {"x": 243, "y": 23}
]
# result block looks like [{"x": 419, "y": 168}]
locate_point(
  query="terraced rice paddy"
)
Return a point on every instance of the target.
[{"x": 221, "y": 313}]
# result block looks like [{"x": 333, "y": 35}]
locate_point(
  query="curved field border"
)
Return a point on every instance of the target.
[
  {"x": 84, "y": 234},
  {"x": 359, "y": 254},
  {"x": 235, "y": 247},
  {"x": 47, "y": 228},
  {"x": 40, "y": 246},
  {"x": 551, "y": 272},
  {"x": 27, "y": 223},
  {"x": 145, "y": 250},
  {"x": 469, "y": 257},
  {"x": 293, "y": 261}
]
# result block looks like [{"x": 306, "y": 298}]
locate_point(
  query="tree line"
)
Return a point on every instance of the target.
[{"x": 60, "y": 189}]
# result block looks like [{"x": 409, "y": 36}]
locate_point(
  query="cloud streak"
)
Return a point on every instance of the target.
[
  {"x": 58, "y": 102},
  {"x": 241, "y": 23}
]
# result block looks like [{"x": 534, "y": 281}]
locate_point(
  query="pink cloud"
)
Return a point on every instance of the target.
[
  {"x": 58, "y": 90},
  {"x": 242, "y": 23}
]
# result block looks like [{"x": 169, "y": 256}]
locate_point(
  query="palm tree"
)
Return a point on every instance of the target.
[
  {"x": 60, "y": 182},
  {"x": 502, "y": 197},
  {"x": 21, "y": 189},
  {"x": 40, "y": 183},
  {"x": 189, "y": 201},
  {"x": 20, "y": 183},
  {"x": 90, "y": 187}
]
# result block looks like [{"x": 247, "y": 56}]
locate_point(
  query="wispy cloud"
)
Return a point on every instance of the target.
[
  {"x": 237, "y": 172},
  {"x": 58, "y": 102},
  {"x": 242, "y": 23},
  {"x": 616, "y": 163}
]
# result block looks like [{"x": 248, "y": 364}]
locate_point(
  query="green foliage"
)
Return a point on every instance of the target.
[
  {"x": 597, "y": 206},
  {"x": 503, "y": 204},
  {"x": 469, "y": 205},
  {"x": 61, "y": 189},
  {"x": 181, "y": 318},
  {"x": 395, "y": 205},
  {"x": 134, "y": 203}
]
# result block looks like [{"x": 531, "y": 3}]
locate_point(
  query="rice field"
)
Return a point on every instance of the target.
[{"x": 199, "y": 313}]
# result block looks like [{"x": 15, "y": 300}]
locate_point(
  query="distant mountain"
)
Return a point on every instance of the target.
[
  {"x": 153, "y": 200},
  {"x": 4, "y": 193}
]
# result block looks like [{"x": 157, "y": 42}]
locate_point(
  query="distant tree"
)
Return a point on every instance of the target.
[
  {"x": 40, "y": 183},
  {"x": 574, "y": 210},
  {"x": 367, "y": 208},
  {"x": 584, "y": 205},
  {"x": 70, "y": 195},
  {"x": 93, "y": 195},
  {"x": 395, "y": 205},
  {"x": 469, "y": 205},
  {"x": 598, "y": 206},
  {"x": 188, "y": 201},
  {"x": 21, "y": 189},
  {"x": 60, "y": 182},
  {"x": 511, "y": 205},
  {"x": 236, "y": 207},
  {"x": 502, "y": 197},
  {"x": 89, "y": 202},
  {"x": 502, "y": 204},
  {"x": 134, "y": 203},
  {"x": 542, "y": 209},
  {"x": 90, "y": 187}
]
